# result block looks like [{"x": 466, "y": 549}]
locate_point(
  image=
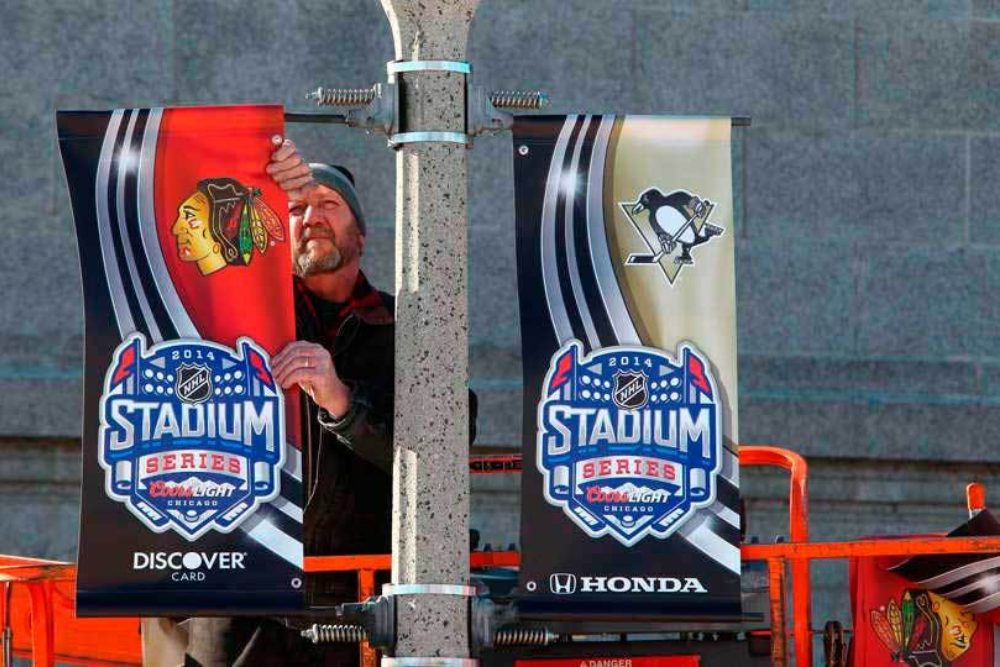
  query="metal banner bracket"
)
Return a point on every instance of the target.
[
  {"x": 376, "y": 109},
  {"x": 394, "y": 67},
  {"x": 429, "y": 589}
]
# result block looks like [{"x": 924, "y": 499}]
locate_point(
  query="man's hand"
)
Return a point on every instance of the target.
[
  {"x": 309, "y": 365},
  {"x": 290, "y": 171}
]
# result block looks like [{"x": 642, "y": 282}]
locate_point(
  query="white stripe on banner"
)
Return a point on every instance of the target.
[
  {"x": 988, "y": 603},
  {"x": 951, "y": 576},
  {"x": 147, "y": 230},
  {"x": 730, "y": 470},
  {"x": 600, "y": 253},
  {"x": 710, "y": 544},
  {"x": 123, "y": 316},
  {"x": 726, "y": 514},
  {"x": 293, "y": 464},
  {"x": 288, "y": 508},
  {"x": 570, "y": 184},
  {"x": 128, "y": 160},
  {"x": 264, "y": 532},
  {"x": 976, "y": 583},
  {"x": 550, "y": 272}
]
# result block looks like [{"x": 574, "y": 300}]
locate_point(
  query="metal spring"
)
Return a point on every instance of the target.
[
  {"x": 326, "y": 634},
  {"x": 342, "y": 97},
  {"x": 518, "y": 99},
  {"x": 524, "y": 637}
]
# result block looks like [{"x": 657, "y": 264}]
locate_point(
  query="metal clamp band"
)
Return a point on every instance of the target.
[
  {"x": 429, "y": 662},
  {"x": 396, "y": 66},
  {"x": 429, "y": 137},
  {"x": 429, "y": 589}
]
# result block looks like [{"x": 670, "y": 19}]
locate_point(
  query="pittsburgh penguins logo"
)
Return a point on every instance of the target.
[{"x": 673, "y": 224}]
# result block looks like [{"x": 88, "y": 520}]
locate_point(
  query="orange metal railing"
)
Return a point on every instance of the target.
[
  {"x": 42, "y": 606},
  {"x": 798, "y": 532},
  {"x": 750, "y": 455},
  {"x": 42, "y": 615}
]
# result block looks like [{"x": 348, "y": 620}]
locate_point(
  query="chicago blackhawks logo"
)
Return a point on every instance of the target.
[
  {"x": 192, "y": 433},
  {"x": 628, "y": 439},
  {"x": 673, "y": 224},
  {"x": 924, "y": 629},
  {"x": 222, "y": 222}
]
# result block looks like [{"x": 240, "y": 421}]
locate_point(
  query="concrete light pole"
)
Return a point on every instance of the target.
[
  {"x": 430, "y": 475},
  {"x": 429, "y": 113}
]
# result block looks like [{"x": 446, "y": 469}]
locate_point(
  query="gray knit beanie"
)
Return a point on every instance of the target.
[{"x": 341, "y": 180}]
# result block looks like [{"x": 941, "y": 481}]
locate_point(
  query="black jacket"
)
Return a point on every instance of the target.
[
  {"x": 349, "y": 461},
  {"x": 347, "y": 484},
  {"x": 348, "y": 488},
  {"x": 348, "y": 481}
]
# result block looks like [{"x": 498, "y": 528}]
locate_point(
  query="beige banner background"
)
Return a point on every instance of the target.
[{"x": 700, "y": 306}]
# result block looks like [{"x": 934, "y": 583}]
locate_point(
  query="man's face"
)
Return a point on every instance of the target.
[
  {"x": 194, "y": 238},
  {"x": 325, "y": 235}
]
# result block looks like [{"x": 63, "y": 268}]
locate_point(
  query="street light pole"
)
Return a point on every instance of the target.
[{"x": 430, "y": 475}]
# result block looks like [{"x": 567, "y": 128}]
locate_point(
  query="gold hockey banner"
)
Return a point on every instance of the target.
[{"x": 630, "y": 495}]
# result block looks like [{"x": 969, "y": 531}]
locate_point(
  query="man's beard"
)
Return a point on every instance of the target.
[
  {"x": 307, "y": 264},
  {"x": 310, "y": 264}
]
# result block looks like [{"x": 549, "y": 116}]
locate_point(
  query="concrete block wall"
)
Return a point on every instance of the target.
[{"x": 867, "y": 253}]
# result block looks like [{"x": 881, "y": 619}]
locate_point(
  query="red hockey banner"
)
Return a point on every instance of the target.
[
  {"x": 234, "y": 276},
  {"x": 191, "y": 468},
  {"x": 897, "y": 622}
]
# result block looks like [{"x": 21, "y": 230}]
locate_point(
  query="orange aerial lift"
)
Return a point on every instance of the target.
[{"x": 38, "y": 620}]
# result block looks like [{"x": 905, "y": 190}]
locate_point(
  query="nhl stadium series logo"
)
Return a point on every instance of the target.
[
  {"x": 670, "y": 226},
  {"x": 192, "y": 433},
  {"x": 629, "y": 439}
]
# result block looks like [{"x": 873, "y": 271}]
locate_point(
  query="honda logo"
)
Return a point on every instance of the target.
[{"x": 562, "y": 583}]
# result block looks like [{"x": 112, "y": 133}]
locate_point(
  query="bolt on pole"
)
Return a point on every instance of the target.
[{"x": 430, "y": 475}]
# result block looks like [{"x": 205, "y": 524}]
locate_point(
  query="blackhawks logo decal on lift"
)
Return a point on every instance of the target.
[
  {"x": 670, "y": 226},
  {"x": 192, "y": 433},
  {"x": 924, "y": 629},
  {"x": 629, "y": 439}
]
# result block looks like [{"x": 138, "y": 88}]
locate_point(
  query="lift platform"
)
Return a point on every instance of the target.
[{"x": 39, "y": 623}]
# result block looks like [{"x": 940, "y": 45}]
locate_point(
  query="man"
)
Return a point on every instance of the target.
[{"x": 344, "y": 363}]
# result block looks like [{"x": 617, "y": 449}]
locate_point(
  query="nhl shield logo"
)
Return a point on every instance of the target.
[
  {"x": 629, "y": 440},
  {"x": 630, "y": 390},
  {"x": 671, "y": 226},
  {"x": 192, "y": 433},
  {"x": 194, "y": 383}
]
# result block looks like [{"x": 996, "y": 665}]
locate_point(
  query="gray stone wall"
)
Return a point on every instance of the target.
[{"x": 867, "y": 253}]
